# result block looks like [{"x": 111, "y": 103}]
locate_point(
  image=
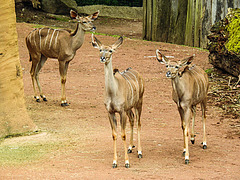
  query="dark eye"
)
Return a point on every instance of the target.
[
  {"x": 110, "y": 51},
  {"x": 176, "y": 67},
  {"x": 100, "y": 50},
  {"x": 84, "y": 22},
  {"x": 167, "y": 66}
]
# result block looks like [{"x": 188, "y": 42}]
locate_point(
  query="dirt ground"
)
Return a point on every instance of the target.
[{"x": 75, "y": 142}]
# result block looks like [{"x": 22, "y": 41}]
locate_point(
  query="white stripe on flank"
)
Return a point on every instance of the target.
[
  {"x": 39, "y": 32},
  {"x": 46, "y": 38},
  {"x": 51, "y": 38},
  {"x": 135, "y": 78},
  {"x": 34, "y": 39},
  {"x": 131, "y": 79},
  {"x": 55, "y": 43},
  {"x": 130, "y": 86}
]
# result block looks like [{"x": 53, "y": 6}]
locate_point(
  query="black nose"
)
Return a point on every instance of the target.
[
  {"x": 168, "y": 74},
  {"x": 102, "y": 59},
  {"x": 94, "y": 28}
]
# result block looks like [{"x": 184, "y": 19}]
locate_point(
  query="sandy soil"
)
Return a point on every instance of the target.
[{"x": 81, "y": 132}]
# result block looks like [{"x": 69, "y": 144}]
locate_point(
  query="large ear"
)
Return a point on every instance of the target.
[
  {"x": 94, "y": 16},
  {"x": 187, "y": 61},
  {"x": 73, "y": 14},
  {"x": 161, "y": 58},
  {"x": 117, "y": 43},
  {"x": 95, "y": 42}
]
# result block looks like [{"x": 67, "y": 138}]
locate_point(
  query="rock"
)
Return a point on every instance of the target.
[
  {"x": 58, "y": 6},
  {"x": 221, "y": 54}
]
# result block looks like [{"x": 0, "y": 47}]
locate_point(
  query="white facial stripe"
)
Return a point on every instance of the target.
[
  {"x": 56, "y": 39},
  {"x": 51, "y": 39},
  {"x": 46, "y": 37}
]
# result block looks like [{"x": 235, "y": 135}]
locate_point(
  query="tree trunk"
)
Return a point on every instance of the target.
[{"x": 14, "y": 118}]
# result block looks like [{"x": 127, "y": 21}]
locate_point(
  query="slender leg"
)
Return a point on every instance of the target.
[
  {"x": 131, "y": 120},
  {"x": 63, "y": 67},
  {"x": 185, "y": 123},
  {"x": 203, "y": 106},
  {"x": 38, "y": 68},
  {"x": 35, "y": 59},
  {"x": 123, "y": 118},
  {"x": 138, "y": 112},
  {"x": 193, "y": 124},
  {"x": 181, "y": 112},
  {"x": 113, "y": 124}
]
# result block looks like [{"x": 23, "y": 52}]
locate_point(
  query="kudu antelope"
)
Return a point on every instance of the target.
[
  {"x": 189, "y": 89},
  {"x": 123, "y": 92},
  {"x": 43, "y": 43}
]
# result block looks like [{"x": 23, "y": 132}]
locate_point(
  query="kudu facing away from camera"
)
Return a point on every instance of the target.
[
  {"x": 43, "y": 43},
  {"x": 123, "y": 92},
  {"x": 189, "y": 89}
]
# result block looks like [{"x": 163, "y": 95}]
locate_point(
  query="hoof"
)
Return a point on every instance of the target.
[
  {"x": 139, "y": 156},
  {"x": 64, "y": 104},
  {"x": 114, "y": 165},
  {"x": 183, "y": 154},
  {"x": 192, "y": 141},
  {"x": 186, "y": 161},
  {"x": 127, "y": 165},
  {"x": 129, "y": 151},
  {"x": 37, "y": 98},
  {"x": 44, "y": 98},
  {"x": 204, "y": 146}
]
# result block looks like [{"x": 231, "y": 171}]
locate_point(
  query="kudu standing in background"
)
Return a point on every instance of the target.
[
  {"x": 123, "y": 91},
  {"x": 189, "y": 89},
  {"x": 43, "y": 43}
]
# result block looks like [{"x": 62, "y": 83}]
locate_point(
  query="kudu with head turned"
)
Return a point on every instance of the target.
[
  {"x": 43, "y": 43},
  {"x": 190, "y": 88},
  {"x": 123, "y": 92}
]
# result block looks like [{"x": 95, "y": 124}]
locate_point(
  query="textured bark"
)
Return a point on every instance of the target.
[
  {"x": 183, "y": 21},
  {"x": 219, "y": 55},
  {"x": 14, "y": 118}
]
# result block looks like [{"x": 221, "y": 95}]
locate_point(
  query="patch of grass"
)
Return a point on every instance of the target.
[
  {"x": 62, "y": 18},
  {"x": 15, "y": 151},
  {"x": 95, "y": 33},
  {"x": 12, "y": 155},
  {"x": 209, "y": 71}
]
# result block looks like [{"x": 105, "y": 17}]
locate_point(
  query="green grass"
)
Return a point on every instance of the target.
[
  {"x": 209, "y": 71},
  {"x": 21, "y": 154},
  {"x": 62, "y": 18},
  {"x": 15, "y": 152}
]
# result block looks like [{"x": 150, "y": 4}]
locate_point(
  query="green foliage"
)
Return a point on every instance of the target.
[
  {"x": 132, "y": 3},
  {"x": 233, "y": 28},
  {"x": 209, "y": 71}
]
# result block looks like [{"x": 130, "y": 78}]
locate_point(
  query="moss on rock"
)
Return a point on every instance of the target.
[{"x": 233, "y": 28}]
